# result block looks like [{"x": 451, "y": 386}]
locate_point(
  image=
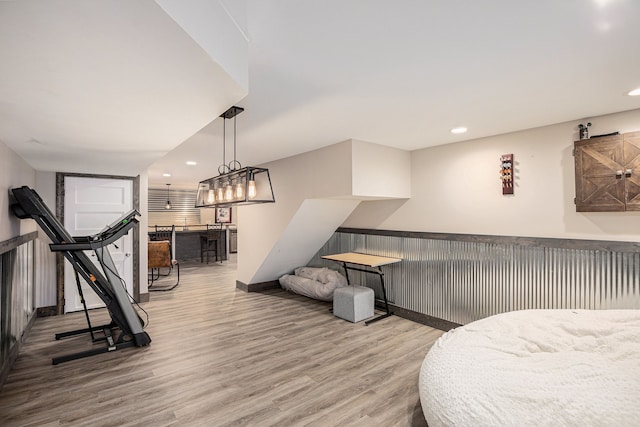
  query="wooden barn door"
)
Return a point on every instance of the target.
[
  {"x": 632, "y": 170},
  {"x": 600, "y": 174}
]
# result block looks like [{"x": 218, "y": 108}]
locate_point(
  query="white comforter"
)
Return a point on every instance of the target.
[{"x": 536, "y": 367}]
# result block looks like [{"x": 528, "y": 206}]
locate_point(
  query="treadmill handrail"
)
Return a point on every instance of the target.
[{"x": 83, "y": 243}]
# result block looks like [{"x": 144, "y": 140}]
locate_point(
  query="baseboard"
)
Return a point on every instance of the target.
[
  {"x": 143, "y": 297},
  {"x": 257, "y": 287},
  {"x": 424, "y": 319},
  {"x": 52, "y": 310},
  {"x": 13, "y": 353}
]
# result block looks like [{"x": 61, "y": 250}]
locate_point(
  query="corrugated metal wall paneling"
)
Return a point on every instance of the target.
[
  {"x": 462, "y": 281},
  {"x": 45, "y": 290},
  {"x": 17, "y": 295}
]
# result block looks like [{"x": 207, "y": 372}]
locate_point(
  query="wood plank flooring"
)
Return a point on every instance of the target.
[{"x": 222, "y": 357}]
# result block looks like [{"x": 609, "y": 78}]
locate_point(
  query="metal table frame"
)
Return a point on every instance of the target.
[{"x": 372, "y": 262}]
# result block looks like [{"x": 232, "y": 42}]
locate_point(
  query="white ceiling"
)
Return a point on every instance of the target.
[
  {"x": 102, "y": 86},
  {"x": 397, "y": 73}
]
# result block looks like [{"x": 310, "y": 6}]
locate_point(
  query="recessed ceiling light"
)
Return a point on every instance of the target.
[
  {"x": 192, "y": 163},
  {"x": 459, "y": 129},
  {"x": 635, "y": 92},
  {"x": 166, "y": 174}
]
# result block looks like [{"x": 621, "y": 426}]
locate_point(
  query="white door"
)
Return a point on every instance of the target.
[{"x": 90, "y": 204}]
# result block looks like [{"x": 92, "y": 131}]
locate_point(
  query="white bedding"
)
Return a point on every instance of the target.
[
  {"x": 536, "y": 367},
  {"x": 313, "y": 282}
]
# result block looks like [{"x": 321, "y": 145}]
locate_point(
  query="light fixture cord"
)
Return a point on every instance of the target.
[
  {"x": 223, "y": 168},
  {"x": 235, "y": 164},
  {"x": 234, "y": 141},
  {"x": 224, "y": 140}
]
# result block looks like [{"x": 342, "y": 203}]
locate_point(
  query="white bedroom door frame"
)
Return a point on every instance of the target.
[{"x": 86, "y": 204}]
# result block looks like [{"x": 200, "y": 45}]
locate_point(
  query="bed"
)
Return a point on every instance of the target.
[{"x": 536, "y": 367}]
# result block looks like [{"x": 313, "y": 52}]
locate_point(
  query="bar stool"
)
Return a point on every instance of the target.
[
  {"x": 163, "y": 232},
  {"x": 208, "y": 244}
]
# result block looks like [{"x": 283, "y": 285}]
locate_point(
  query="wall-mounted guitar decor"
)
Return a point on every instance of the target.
[{"x": 506, "y": 173}]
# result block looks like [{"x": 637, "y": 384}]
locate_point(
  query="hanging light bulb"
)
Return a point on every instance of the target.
[
  {"x": 168, "y": 205},
  {"x": 219, "y": 193},
  {"x": 211, "y": 197},
  {"x": 239, "y": 189},
  {"x": 252, "y": 191},
  {"x": 228, "y": 192}
]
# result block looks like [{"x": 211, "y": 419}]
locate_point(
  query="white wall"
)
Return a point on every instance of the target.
[
  {"x": 314, "y": 222},
  {"x": 317, "y": 174},
  {"x": 143, "y": 230},
  {"x": 314, "y": 193},
  {"x": 14, "y": 172},
  {"x": 208, "y": 216},
  {"x": 380, "y": 171},
  {"x": 46, "y": 188},
  {"x": 46, "y": 281},
  {"x": 217, "y": 32},
  {"x": 456, "y": 188}
]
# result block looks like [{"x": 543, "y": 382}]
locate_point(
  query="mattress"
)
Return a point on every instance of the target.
[{"x": 536, "y": 367}]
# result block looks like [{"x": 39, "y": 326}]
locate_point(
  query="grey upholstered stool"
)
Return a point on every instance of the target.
[{"x": 353, "y": 303}]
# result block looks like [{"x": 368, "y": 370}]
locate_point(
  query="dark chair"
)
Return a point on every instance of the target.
[
  {"x": 210, "y": 242},
  {"x": 159, "y": 256},
  {"x": 162, "y": 232}
]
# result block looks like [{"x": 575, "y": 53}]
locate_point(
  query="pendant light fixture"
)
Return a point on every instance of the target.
[
  {"x": 235, "y": 185},
  {"x": 168, "y": 205}
]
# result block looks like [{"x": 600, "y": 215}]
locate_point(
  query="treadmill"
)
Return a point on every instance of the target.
[{"x": 126, "y": 328}]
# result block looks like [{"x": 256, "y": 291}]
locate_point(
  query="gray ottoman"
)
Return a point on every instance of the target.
[{"x": 353, "y": 303}]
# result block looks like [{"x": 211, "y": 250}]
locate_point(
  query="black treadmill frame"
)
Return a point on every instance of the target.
[{"x": 106, "y": 283}]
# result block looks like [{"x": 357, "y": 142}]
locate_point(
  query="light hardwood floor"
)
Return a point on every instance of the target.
[{"x": 221, "y": 357}]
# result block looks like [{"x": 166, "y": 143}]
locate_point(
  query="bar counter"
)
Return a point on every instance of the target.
[{"x": 187, "y": 243}]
